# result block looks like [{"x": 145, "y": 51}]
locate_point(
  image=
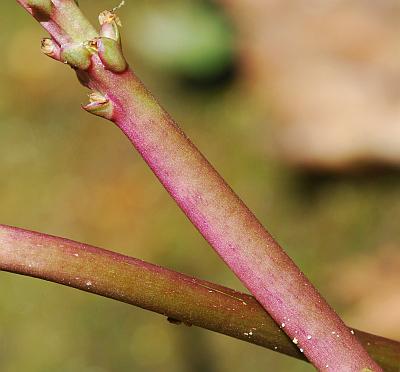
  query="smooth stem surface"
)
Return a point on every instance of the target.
[
  {"x": 216, "y": 211},
  {"x": 177, "y": 296}
]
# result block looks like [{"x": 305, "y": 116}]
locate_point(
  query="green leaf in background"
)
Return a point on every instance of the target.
[{"x": 192, "y": 39}]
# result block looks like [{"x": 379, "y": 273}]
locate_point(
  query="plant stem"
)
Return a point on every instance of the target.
[
  {"x": 211, "y": 205},
  {"x": 177, "y": 296}
]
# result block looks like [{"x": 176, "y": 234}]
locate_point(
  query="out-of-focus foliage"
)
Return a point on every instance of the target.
[
  {"x": 187, "y": 38},
  {"x": 329, "y": 72},
  {"x": 67, "y": 173}
]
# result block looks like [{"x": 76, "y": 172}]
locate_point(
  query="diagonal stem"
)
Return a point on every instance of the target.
[
  {"x": 202, "y": 194},
  {"x": 177, "y": 296}
]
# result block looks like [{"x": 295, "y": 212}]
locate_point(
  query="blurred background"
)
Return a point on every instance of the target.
[{"x": 296, "y": 103}]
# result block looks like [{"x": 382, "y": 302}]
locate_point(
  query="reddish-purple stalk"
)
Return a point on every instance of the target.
[
  {"x": 177, "y": 296},
  {"x": 211, "y": 205}
]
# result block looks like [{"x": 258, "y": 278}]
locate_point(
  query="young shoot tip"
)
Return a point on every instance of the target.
[
  {"x": 76, "y": 55},
  {"x": 50, "y": 48},
  {"x": 109, "y": 17},
  {"x": 99, "y": 105},
  {"x": 111, "y": 55}
]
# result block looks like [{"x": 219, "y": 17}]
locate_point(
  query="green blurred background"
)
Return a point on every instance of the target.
[{"x": 67, "y": 173}]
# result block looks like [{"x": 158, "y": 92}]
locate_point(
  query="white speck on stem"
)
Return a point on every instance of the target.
[
  {"x": 250, "y": 333},
  {"x": 309, "y": 337},
  {"x": 76, "y": 254},
  {"x": 333, "y": 332},
  {"x": 245, "y": 333},
  {"x": 301, "y": 350},
  {"x": 283, "y": 325},
  {"x": 295, "y": 341},
  {"x": 352, "y": 332},
  {"x": 276, "y": 348},
  {"x": 88, "y": 283}
]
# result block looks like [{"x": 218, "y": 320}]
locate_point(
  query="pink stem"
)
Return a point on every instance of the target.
[
  {"x": 211, "y": 205},
  {"x": 177, "y": 296}
]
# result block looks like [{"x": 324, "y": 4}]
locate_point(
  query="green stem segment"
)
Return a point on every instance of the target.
[
  {"x": 216, "y": 211},
  {"x": 177, "y": 296}
]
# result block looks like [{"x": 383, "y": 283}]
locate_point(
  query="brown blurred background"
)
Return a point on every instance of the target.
[{"x": 296, "y": 103}]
